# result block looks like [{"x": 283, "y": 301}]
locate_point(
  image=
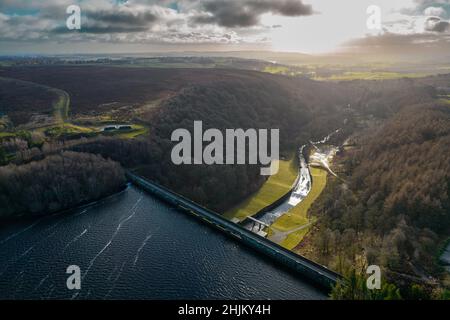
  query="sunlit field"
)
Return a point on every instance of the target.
[
  {"x": 298, "y": 217},
  {"x": 272, "y": 190}
]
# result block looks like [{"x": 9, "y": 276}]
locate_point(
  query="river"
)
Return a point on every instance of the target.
[
  {"x": 302, "y": 185},
  {"x": 133, "y": 246}
]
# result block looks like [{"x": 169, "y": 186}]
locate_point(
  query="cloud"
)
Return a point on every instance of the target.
[
  {"x": 50, "y": 16},
  {"x": 236, "y": 22},
  {"x": 120, "y": 19},
  {"x": 435, "y": 11},
  {"x": 140, "y": 20},
  {"x": 247, "y": 13},
  {"x": 47, "y": 19},
  {"x": 436, "y": 24}
]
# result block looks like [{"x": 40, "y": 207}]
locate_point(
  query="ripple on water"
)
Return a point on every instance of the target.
[{"x": 133, "y": 246}]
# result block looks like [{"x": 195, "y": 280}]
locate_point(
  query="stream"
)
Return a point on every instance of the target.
[{"x": 302, "y": 185}]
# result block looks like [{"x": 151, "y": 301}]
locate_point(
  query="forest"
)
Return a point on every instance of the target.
[
  {"x": 58, "y": 182},
  {"x": 301, "y": 109},
  {"x": 391, "y": 205}
]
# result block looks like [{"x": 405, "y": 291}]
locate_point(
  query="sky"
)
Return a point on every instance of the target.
[{"x": 307, "y": 26}]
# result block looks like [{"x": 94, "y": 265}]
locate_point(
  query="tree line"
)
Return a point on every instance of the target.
[
  {"x": 57, "y": 182},
  {"x": 393, "y": 208}
]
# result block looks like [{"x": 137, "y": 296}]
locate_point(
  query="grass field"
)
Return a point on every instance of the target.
[
  {"x": 137, "y": 130},
  {"x": 63, "y": 127},
  {"x": 294, "y": 238},
  {"x": 6, "y": 134},
  {"x": 276, "y": 69},
  {"x": 66, "y": 129},
  {"x": 272, "y": 190},
  {"x": 445, "y": 99},
  {"x": 61, "y": 114},
  {"x": 371, "y": 75},
  {"x": 61, "y": 106},
  {"x": 297, "y": 216}
]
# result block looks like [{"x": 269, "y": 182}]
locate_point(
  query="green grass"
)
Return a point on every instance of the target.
[
  {"x": 61, "y": 106},
  {"x": 298, "y": 216},
  {"x": 7, "y": 134},
  {"x": 167, "y": 65},
  {"x": 371, "y": 75},
  {"x": 63, "y": 126},
  {"x": 444, "y": 101},
  {"x": 294, "y": 238},
  {"x": 272, "y": 190},
  {"x": 77, "y": 128},
  {"x": 276, "y": 69},
  {"x": 67, "y": 129},
  {"x": 137, "y": 130},
  {"x": 4, "y": 128}
]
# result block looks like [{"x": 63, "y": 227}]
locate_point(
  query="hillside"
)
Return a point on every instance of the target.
[
  {"x": 23, "y": 100},
  {"x": 301, "y": 109},
  {"x": 391, "y": 205}
]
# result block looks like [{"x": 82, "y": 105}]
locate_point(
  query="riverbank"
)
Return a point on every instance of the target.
[
  {"x": 290, "y": 228},
  {"x": 272, "y": 190},
  {"x": 285, "y": 221}
]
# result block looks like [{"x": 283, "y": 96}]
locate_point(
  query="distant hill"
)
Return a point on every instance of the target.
[{"x": 20, "y": 100}]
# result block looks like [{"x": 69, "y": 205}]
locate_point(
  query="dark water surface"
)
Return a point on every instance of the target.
[{"x": 133, "y": 246}]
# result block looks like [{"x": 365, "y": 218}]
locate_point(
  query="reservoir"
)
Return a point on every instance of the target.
[{"x": 133, "y": 246}]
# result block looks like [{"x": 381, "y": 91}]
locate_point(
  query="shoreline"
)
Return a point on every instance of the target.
[{"x": 81, "y": 205}]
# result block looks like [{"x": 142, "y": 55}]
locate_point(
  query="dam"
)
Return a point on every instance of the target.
[{"x": 315, "y": 273}]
